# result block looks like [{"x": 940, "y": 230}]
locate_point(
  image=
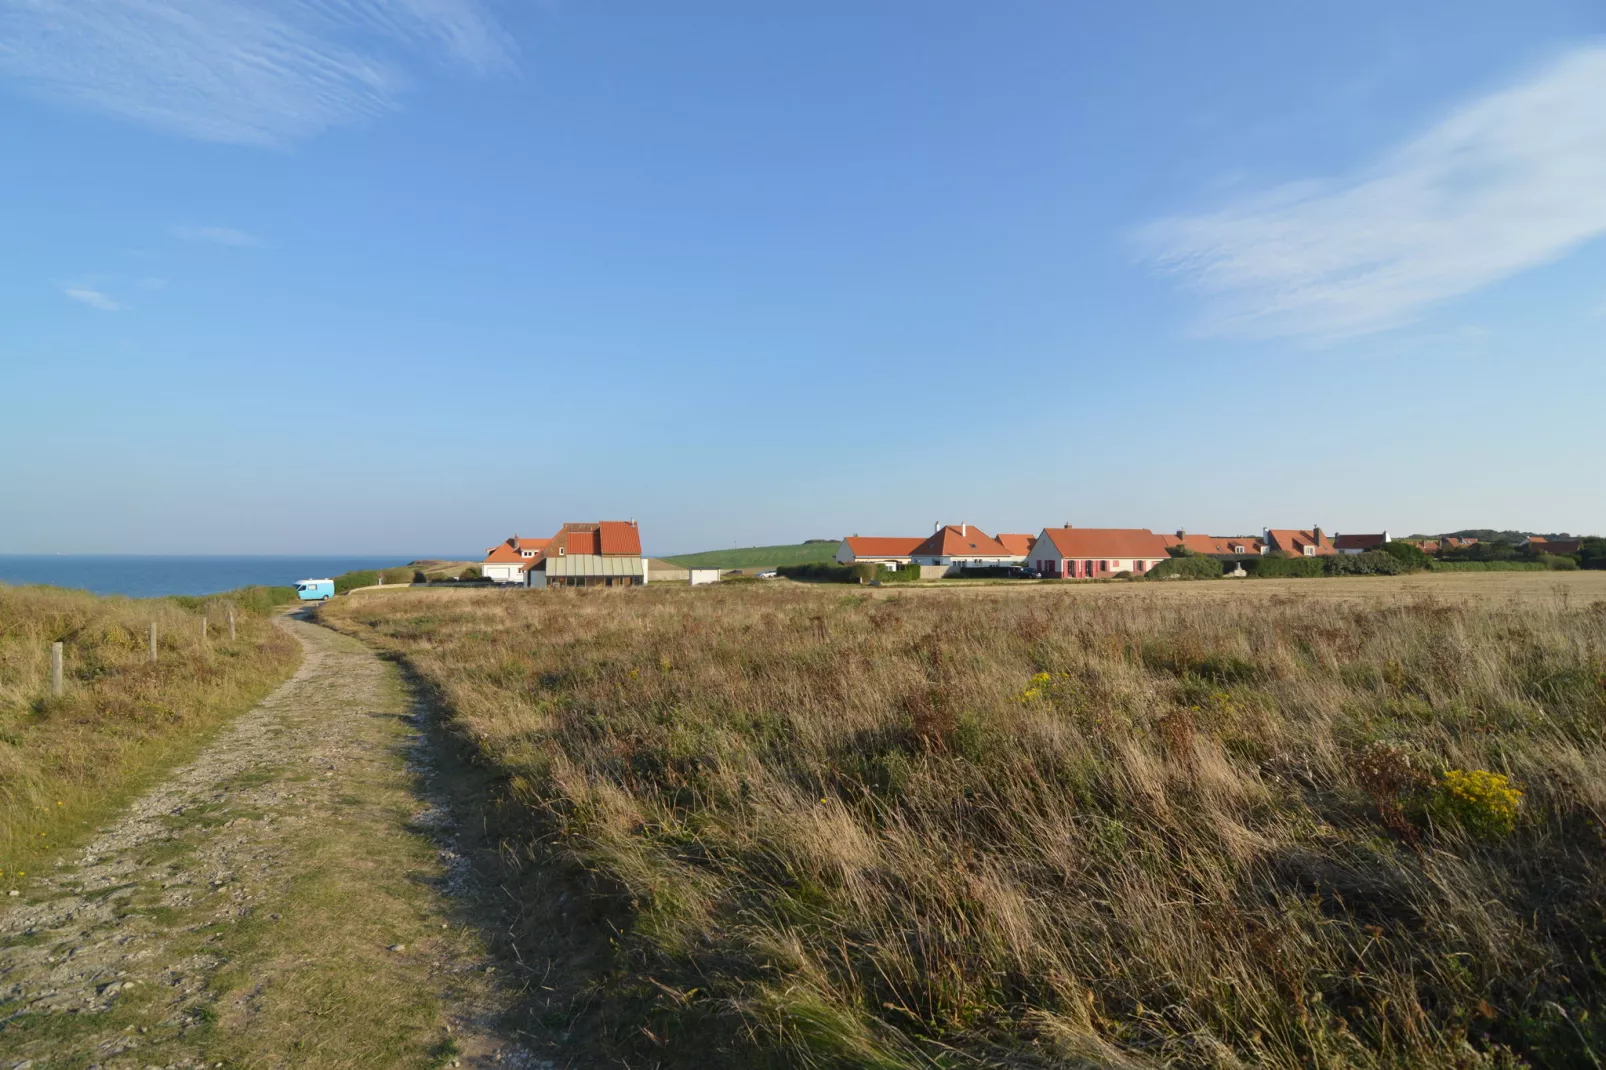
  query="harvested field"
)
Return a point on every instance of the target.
[{"x": 1303, "y": 823}]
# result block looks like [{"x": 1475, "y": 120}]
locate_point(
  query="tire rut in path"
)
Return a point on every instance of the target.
[{"x": 286, "y": 899}]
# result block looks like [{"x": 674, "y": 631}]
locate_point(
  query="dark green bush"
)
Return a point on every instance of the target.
[
  {"x": 820, "y": 572},
  {"x": 1188, "y": 567},
  {"x": 1559, "y": 562},
  {"x": 1371, "y": 563},
  {"x": 1487, "y": 566},
  {"x": 1408, "y": 554},
  {"x": 348, "y": 581},
  {"x": 472, "y": 572},
  {"x": 906, "y": 574},
  {"x": 1592, "y": 554},
  {"x": 420, "y": 576},
  {"x": 1276, "y": 566}
]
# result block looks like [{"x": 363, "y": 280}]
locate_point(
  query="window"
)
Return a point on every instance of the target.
[
  {"x": 1137, "y": 566},
  {"x": 1310, "y": 551}
]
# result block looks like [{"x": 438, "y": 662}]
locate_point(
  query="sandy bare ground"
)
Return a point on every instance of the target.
[{"x": 295, "y": 897}]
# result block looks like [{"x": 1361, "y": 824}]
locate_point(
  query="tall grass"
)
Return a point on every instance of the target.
[
  {"x": 66, "y": 761},
  {"x": 993, "y": 828}
]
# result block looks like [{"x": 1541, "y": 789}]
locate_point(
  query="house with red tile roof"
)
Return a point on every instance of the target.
[
  {"x": 1018, "y": 544},
  {"x": 606, "y": 553},
  {"x": 879, "y": 550},
  {"x": 956, "y": 547},
  {"x": 1072, "y": 553},
  {"x": 1359, "y": 544},
  {"x": 1223, "y": 547},
  {"x": 507, "y": 561},
  {"x": 1541, "y": 545},
  {"x": 1297, "y": 543}
]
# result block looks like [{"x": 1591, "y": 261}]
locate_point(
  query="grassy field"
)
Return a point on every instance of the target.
[
  {"x": 1334, "y": 823},
  {"x": 759, "y": 557},
  {"x": 67, "y": 762}
]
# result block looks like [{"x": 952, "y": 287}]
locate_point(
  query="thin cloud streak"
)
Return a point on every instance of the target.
[
  {"x": 94, "y": 299},
  {"x": 218, "y": 236},
  {"x": 246, "y": 71},
  {"x": 1508, "y": 182}
]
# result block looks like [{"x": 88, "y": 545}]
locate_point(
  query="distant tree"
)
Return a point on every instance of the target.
[{"x": 1408, "y": 554}]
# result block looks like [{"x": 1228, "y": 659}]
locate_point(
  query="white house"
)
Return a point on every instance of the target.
[
  {"x": 507, "y": 561},
  {"x": 877, "y": 550}
]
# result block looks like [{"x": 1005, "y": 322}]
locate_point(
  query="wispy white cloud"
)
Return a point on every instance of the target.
[
  {"x": 251, "y": 71},
  {"x": 94, "y": 299},
  {"x": 1511, "y": 180},
  {"x": 218, "y": 236}
]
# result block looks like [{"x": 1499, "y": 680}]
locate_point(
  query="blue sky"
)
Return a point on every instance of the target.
[{"x": 403, "y": 276}]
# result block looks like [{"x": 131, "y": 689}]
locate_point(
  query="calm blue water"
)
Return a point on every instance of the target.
[{"x": 140, "y": 576}]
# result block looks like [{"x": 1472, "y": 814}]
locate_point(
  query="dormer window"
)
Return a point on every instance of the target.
[{"x": 1310, "y": 551}]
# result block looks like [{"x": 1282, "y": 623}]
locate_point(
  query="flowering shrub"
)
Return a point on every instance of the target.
[
  {"x": 1043, "y": 685},
  {"x": 1484, "y": 803}
]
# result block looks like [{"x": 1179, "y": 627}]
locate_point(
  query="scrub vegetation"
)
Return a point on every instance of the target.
[
  {"x": 1121, "y": 825},
  {"x": 67, "y": 762}
]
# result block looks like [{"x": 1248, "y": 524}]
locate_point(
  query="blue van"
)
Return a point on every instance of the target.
[{"x": 315, "y": 590}]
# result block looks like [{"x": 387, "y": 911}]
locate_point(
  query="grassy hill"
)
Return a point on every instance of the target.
[{"x": 746, "y": 557}]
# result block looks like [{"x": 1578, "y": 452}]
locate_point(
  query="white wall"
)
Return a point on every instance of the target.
[{"x": 497, "y": 572}]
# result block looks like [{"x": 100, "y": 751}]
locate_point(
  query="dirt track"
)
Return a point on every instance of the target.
[{"x": 294, "y": 897}]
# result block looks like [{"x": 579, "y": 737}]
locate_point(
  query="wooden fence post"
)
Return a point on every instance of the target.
[
  {"x": 231, "y": 624},
  {"x": 203, "y": 628},
  {"x": 153, "y": 642},
  {"x": 55, "y": 670}
]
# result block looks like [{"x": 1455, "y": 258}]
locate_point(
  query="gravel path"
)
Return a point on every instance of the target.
[{"x": 293, "y": 897}]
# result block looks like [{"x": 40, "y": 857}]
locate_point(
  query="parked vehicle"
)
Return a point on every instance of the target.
[
  {"x": 315, "y": 590},
  {"x": 769, "y": 575}
]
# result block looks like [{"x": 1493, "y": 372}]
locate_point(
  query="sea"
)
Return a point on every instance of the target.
[{"x": 150, "y": 576}]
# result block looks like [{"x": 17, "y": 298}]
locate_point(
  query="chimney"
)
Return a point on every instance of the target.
[
  {"x": 1316, "y": 530},
  {"x": 1182, "y": 533},
  {"x": 964, "y": 529}
]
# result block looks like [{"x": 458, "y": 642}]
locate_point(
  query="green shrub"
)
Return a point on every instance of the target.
[
  {"x": 1276, "y": 566},
  {"x": 820, "y": 572},
  {"x": 1487, "y": 566},
  {"x": 1408, "y": 554},
  {"x": 420, "y": 576},
  {"x": 1371, "y": 563},
  {"x": 472, "y": 572},
  {"x": 1558, "y": 562},
  {"x": 403, "y": 574},
  {"x": 348, "y": 581},
  {"x": 1187, "y": 567},
  {"x": 906, "y": 574}
]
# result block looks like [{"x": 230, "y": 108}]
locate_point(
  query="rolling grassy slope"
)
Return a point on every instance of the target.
[{"x": 802, "y": 553}]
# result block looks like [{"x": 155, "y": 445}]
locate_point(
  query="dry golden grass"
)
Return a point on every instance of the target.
[
  {"x": 853, "y": 828},
  {"x": 65, "y": 762}
]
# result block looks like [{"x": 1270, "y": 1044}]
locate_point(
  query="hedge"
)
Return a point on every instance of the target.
[
  {"x": 1275, "y": 567},
  {"x": 1187, "y": 567},
  {"x": 1371, "y": 563},
  {"x": 1488, "y": 566}
]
